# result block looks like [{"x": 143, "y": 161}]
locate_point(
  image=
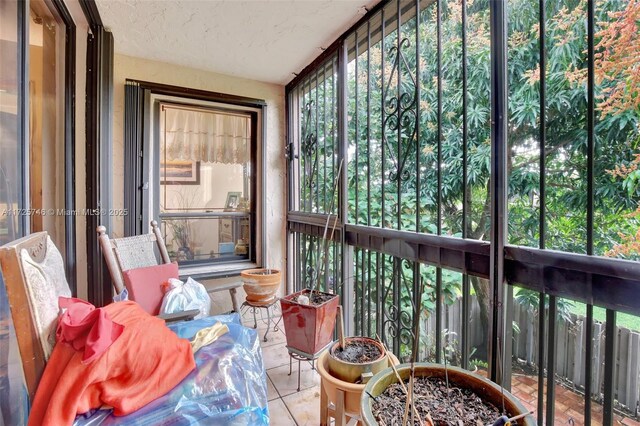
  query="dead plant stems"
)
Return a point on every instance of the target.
[{"x": 326, "y": 228}]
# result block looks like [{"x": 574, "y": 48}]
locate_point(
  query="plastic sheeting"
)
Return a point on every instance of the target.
[
  {"x": 228, "y": 386},
  {"x": 14, "y": 399}
]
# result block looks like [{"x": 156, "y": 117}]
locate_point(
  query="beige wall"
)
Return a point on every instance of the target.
[{"x": 126, "y": 67}]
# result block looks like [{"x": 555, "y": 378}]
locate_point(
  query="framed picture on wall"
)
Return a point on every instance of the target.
[
  {"x": 179, "y": 172},
  {"x": 233, "y": 200}
]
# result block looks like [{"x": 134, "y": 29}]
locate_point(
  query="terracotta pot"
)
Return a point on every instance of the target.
[
  {"x": 309, "y": 328},
  {"x": 261, "y": 284},
  {"x": 350, "y": 371},
  {"x": 484, "y": 388},
  {"x": 353, "y": 391}
]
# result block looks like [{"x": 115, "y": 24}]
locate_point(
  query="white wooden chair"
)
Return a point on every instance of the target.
[
  {"x": 34, "y": 276},
  {"x": 139, "y": 251}
]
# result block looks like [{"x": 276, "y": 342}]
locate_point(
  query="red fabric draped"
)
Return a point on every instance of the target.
[
  {"x": 87, "y": 329},
  {"x": 144, "y": 363}
]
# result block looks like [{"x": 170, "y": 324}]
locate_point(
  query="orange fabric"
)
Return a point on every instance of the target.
[
  {"x": 86, "y": 328},
  {"x": 144, "y": 363}
]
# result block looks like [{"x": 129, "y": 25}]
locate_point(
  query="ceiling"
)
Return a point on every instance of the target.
[{"x": 265, "y": 40}]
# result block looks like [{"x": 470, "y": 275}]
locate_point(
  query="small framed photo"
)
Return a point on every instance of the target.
[
  {"x": 233, "y": 200},
  {"x": 180, "y": 173}
]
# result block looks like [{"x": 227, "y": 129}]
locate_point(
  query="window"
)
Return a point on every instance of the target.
[
  {"x": 10, "y": 146},
  {"x": 36, "y": 124},
  {"x": 46, "y": 121},
  {"x": 194, "y": 163},
  {"x": 206, "y": 183}
]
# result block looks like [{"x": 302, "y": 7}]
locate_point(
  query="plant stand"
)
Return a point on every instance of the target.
[
  {"x": 253, "y": 306},
  {"x": 302, "y": 356},
  {"x": 340, "y": 400},
  {"x": 336, "y": 409}
]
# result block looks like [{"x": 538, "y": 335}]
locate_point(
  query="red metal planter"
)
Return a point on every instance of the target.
[{"x": 309, "y": 329}]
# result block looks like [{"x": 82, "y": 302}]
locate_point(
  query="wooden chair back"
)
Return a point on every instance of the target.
[
  {"x": 122, "y": 254},
  {"x": 23, "y": 305}
]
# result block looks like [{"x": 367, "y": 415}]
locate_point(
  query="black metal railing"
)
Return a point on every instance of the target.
[{"x": 465, "y": 145}]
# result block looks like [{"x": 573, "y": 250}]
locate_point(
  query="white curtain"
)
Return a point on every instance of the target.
[{"x": 206, "y": 136}]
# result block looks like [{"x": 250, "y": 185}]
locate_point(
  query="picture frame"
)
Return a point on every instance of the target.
[
  {"x": 233, "y": 200},
  {"x": 180, "y": 172}
]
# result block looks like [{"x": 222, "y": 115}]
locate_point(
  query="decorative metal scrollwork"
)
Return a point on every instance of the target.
[
  {"x": 309, "y": 144},
  {"x": 397, "y": 318},
  {"x": 401, "y": 113}
]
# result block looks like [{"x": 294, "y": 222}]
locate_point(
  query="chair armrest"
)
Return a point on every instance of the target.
[
  {"x": 231, "y": 288},
  {"x": 179, "y": 316},
  {"x": 224, "y": 287}
]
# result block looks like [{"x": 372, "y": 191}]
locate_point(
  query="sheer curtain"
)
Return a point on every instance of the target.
[{"x": 207, "y": 136}]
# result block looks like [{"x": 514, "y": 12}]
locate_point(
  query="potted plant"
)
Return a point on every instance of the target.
[
  {"x": 261, "y": 285},
  {"x": 355, "y": 359},
  {"x": 447, "y": 395},
  {"x": 309, "y": 315},
  {"x": 334, "y": 387},
  {"x": 383, "y": 398},
  {"x": 309, "y": 319}
]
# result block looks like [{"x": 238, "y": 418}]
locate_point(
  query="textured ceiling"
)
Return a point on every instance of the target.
[{"x": 265, "y": 40}]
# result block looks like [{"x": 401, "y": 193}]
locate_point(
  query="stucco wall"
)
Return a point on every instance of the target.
[{"x": 126, "y": 67}]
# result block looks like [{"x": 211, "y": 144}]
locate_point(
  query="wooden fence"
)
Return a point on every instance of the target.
[{"x": 570, "y": 357}]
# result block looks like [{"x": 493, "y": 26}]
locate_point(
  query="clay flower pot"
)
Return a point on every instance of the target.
[
  {"x": 351, "y": 371},
  {"x": 309, "y": 328},
  {"x": 484, "y": 388},
  {"x": 352, "y": 391},
  {"x": 261, "y": 285}
]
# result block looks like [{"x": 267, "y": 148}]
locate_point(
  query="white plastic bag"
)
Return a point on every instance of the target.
[{"x": 183, "y": 296}]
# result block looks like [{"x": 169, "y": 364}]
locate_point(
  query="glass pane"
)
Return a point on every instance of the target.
[
  {"x": 14, "y": 400},
  {"x": 316, "y": 140},
  {"x": 11, "y": 158},
  {"x": 566, "y": 108},
  {"x": 318, "y": 264},
  {"x": 478, "y": 120},
  {"x": 205, "y": 184},
  {"x": 46, "y": 120},
  {"x": 205, "y": 160},
  {"x": 452, "y": 118},
  {"x": 478, "y": 325},
  {"x": 524, "y": 123},
  {"x": 525, "y": 362},
  {"x": 617, "y": 187},
  {"x": 207, "y": 239}
]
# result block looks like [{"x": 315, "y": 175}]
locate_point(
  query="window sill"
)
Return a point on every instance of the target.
[{"x": 215, "y": 271}]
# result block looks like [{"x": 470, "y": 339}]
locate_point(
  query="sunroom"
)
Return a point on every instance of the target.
[{"x": 462, "y": 174}]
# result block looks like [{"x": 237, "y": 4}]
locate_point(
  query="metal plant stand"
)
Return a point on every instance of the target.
[
  {"x": 303, "y": 356},
  {"x": 252, "y": 306}
]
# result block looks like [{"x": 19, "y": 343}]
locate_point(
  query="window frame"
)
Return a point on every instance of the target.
[
  {"x": 147, "y": 176},
  {"x": 193, "y": 267}
]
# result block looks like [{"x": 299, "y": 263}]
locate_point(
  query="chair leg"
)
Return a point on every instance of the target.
[{"x": 234, "y": 299}]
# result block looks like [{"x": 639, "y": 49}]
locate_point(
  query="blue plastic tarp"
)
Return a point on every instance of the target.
[{"x": 228, "y": 386}]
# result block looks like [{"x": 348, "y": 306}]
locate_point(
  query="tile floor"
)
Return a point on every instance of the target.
[{"x": 287, "y": 406}]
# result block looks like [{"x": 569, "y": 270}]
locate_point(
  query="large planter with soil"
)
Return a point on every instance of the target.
[
  {"x": 430, "y": 379},
  {"x": 361, "y": 355},
  {"x": 309, "y": 327},
  {"x": 331, "y": 385},
  {"x": 261, "y": 285}
]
